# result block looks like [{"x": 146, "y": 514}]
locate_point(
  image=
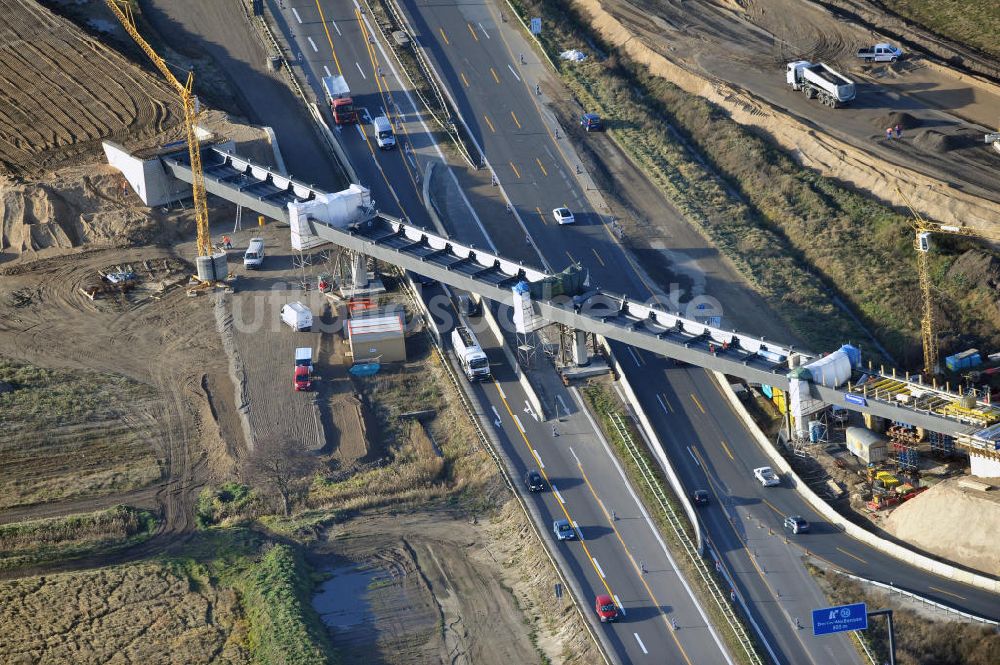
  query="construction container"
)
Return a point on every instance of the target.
[
  {"x": 866, "y": 445},
  {"x": 965, "y": 360},
  {"x": 212, "y": 268},
  {"x": 379, "y": 339},
  {"x": 874, "y": 423}
]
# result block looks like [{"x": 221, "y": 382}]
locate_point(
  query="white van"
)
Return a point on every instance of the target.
[
  {"x": 383, "y": 133},
  {"x": 297, "y": 316},
  {"x": 254, "y": 256}
]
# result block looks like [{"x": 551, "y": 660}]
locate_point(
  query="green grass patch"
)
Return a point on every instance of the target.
[
  {"x": 798, "y": 238},
  {"x": 226, "y": 505},
  {"x": 975, "y": 23},
  {"x": 37, "y": 541}
]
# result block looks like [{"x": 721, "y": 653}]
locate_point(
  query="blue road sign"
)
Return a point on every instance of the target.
[
  {"x": 838, "y": 619},
  {"x": 855, "y": 399}
]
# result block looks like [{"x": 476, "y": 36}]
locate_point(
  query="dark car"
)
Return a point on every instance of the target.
[
  {"x": 700, "y": 497},
  {"x": 534, "y": 481},
  {"x": 591, "y": 122},
  {"x": 796, "y": 524},
  {"x": 467, "y": 306}
]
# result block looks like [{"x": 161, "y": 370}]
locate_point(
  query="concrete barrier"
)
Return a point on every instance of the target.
[
  {"x": 883, "y": 545},
  {"x": 654, "y": 442}
]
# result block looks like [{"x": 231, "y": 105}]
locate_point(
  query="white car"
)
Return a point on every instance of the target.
[
  {"x": 563, "y": 216},
  {"x": 766, "y": 476}
]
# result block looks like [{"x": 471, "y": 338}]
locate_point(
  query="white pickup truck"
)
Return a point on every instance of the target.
[
  {"x": 880, "y": 53},
  {"x": 766, "y": 476}
]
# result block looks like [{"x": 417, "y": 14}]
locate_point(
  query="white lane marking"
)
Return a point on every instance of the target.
[
  {"x": 297, "y": 17},
  {"x": 496, "y": 414},
  {"x": 635, "y": 357},
  {"x": 502, "y": 393},
  {"x": 577, "y": 528},
  {"x": 529, "y": 410},
  {"x": 562, "y": 404},
  {"x": 555, "y": 490},
  {"x": 484, "y": 31},
  {"x": 538, "y": 457},
  {"x": 313, "y": 44},
  {"x": 334, "y": 24},
  {"x": 663, "y": 405},
  {"x": 360, "y": 70},
  {"x": 641, "y": 645},
  {"x": 327, "y": 70},
  {"x": 621, "y": 608},
  {"x": 573, "y": 453},
  {"x": 513, "y": 72},
  {"x": 519, "y": 425},
  {"x": 361, "y": 133},
  {"x": 693, "y": 456},
  {"x": 598, "y": 566}
]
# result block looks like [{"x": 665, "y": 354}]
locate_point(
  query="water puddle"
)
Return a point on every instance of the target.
[{"x": 343, "y": 600}]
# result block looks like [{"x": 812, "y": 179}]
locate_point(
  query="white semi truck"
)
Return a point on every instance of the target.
[
  {"x": 819, "y": 81},
  {"x": 472, "y": 357}
]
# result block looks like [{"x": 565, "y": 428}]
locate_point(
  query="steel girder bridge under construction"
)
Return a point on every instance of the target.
[{"x": 349, "y": 220}]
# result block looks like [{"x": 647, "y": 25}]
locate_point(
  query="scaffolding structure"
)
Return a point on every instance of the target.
[{"x": 903, "y": 443}]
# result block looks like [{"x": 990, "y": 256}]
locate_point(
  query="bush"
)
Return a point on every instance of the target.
[{"x": 230, "y": 503}]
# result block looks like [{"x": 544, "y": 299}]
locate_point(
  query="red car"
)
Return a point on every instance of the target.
[
  {"x": 605, "y": 608},
  {"x": 302, "y": 380}
]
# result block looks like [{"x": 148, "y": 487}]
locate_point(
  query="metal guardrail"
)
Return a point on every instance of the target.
[
  {"x": 689, "y": 546},
  {"x": 926, "y": 601}
]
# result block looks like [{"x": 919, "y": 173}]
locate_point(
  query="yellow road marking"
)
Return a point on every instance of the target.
[
  {"x": 670, "y": 407},
  {"x": 853, "y": 556},
  {"x": 597, "y": 255},
  {"x": 444, "y": 36},
  {"x": 516, "y": 172},
  {"x": 562, "y": 505},
  {"x": 516, "y": 121},
  {"x": 635, "y": 566},
  {"x": 773, "y": 507},
  {"x": 539, "y": 162},
  {"x": 464, "y": 80},
  {"x": 934, "y": 588},
  {"x": 540, "y": 215},
  {"x": 697, "y": 403},
  {"x": 495, "y": 77},
  {"x": 492, "y": 128},
  {"x": 472, "y": 32},
  {"x": 728, "y": 452},
  {"x": 322, "y": 19}
]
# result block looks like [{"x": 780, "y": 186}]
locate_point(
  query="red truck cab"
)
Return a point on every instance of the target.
[
  {"x": 339, "y": 96},
  {"x": 605, "y": 608},
  {"x": 302, "y": 379}
]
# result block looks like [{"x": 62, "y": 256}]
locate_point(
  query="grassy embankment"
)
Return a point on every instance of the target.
[
  {"x": 919, "y": 639},
  {"x": 38, "y": 541},
  {"x": 797, "y": 237},
  {"x": 68, "y": 434},
  {"x": 975, "y": 23},
  {"x": 603, "y": 403}
]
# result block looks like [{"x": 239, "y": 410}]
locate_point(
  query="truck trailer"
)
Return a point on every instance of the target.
[
  {"x": 338, "y": 94},
  {"x": 471, "y": 356},
  {"x": 821, "y": 82}
]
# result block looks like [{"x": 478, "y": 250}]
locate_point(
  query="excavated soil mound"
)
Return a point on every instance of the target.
[
  {"x": 957, "y": 524},
  {"x": 936, "y": 141},
  {"x": 976, "y": 267},
  {"x": 901, "y": 118}
]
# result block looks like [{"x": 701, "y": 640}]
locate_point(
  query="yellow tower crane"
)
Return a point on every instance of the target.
[
  {"x": 123, "y": 10},
  {"x": 922, "y": 244}
]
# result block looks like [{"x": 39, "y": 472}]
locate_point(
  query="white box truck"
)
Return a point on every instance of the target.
[
  {"x": 471, "y": 356},
  {"x": 297, "y": 316},
  {"x": 821, "y": 82},
  {"x": 383, "y": 133},
  {"x": 254, "y": 256}
]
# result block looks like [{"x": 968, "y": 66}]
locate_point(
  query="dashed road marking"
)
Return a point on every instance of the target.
[
  {"x": 516, "y": 172},
  {"x": 641, "y": 645},
  {"x": 502, "y": 393},
  {"x": 598, "y": 566},
  {"x": 697, "y": 403},
  {"x": 555, "y": 490},
  {"x": 334, "y": 24},
  {"x": 516, "y": 121},
  {"x": 621, "y": 608},
  {"x": 360, "y": 70},
  {"x": 664, "y": 404},
  {"x": 538, "y": 457},
  {"x": 464, "y": 80},
  {"x": 518, "y": 421},
  {"x": 513, "y": 72},
  {"x": 495, "y": 76},
  {"x": 562, "y": 404},
  {"x": 444, "y": 36},
  {"x": 327, "y": 70},
  {"x": 728, "y": 452},
  {"x": 484, "y": 31},
  {"x": 599, "y": 259},
  {"x": 635, "y": 357},
  {"x": 542, "y": 167},
  {"x": 691, "y": 452},
  {"x": 472, "y": 31},
  {"x": 313, "y": 44},
  {"x": 297, "y": 17},
  {"x": 488, "y": 122}
]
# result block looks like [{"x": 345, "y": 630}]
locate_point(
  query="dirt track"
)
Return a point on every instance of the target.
[
  {"x": 64, "y": 91},
  {"x": 735, "y": 56}
]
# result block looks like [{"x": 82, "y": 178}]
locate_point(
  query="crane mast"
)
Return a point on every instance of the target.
[{"x": 123, "y": 11}]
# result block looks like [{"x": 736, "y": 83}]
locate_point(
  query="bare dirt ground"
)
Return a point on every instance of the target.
[
  {"x": 929, "y": 522},
  {"x": 444, "y": 590},
  {"x": 129, "y": 614},
  {"x": 734, "y": 55},
  {"x": 45, "y": 62}
]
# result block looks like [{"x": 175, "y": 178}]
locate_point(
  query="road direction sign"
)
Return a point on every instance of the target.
[
  {"x": 851, "y": 398},
  {"x": 838, "y": 619},
  {"x": 536, "y": 26}
]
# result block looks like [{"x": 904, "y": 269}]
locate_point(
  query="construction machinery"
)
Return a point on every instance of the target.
[
  {"x": 923, "y": 230},
  {"x": 211, "y": 266}
]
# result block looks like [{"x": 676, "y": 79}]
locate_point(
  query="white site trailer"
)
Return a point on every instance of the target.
[{"x": 819, "y": 81}]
